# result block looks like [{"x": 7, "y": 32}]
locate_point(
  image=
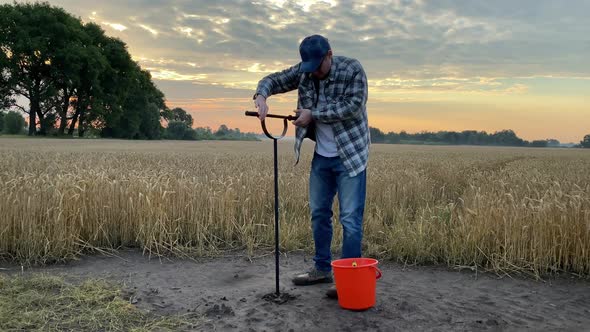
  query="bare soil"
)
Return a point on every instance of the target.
[{"x": 228, "y": 293}]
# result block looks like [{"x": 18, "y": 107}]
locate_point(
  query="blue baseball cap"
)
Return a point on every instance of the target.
[{"x": 313, "y": 49}]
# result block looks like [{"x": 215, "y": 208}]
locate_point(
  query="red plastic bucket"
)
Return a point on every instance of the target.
[{"x": 356, "y": 282}]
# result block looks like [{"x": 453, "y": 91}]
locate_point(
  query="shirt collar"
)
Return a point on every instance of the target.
[{"x": 333, "y": 69}]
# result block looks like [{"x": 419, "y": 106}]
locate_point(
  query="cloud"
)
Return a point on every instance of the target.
[
  {"x": 149, "y": 29},
  {"x": 409, "y": 84},
  {"x": 236, "y": 42},
  {"x": 171, "y": 75},
  {"x": 116, "y": 26},
  {"x": 402, "y": 33}
]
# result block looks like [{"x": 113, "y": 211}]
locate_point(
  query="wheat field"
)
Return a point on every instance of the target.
[{"x": 509, "y": 210}]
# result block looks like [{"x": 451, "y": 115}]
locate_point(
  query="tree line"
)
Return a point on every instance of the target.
[
  {"x": 466, "y": 137},
  {"x": 76, "y": 79},
  {"x": 180, "y": 127}
]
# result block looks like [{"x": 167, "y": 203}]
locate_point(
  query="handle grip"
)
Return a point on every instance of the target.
[
  {"x": 288, "y": 117},
  {"x": 379, "y": 274},
  {"x": 263, "y": 124}
]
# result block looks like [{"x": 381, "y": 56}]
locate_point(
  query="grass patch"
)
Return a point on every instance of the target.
[{"x": 48, "y": 303}]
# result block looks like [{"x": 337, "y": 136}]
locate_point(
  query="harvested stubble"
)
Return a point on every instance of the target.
[{"x": 505, "y": 209}]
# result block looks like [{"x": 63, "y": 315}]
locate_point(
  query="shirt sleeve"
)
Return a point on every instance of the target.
[{"x": 279, "y": 82}]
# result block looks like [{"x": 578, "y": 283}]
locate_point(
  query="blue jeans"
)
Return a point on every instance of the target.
[{"x": 328, "y": 176}]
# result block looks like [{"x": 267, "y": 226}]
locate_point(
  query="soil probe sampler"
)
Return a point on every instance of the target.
[{"x": 276, "y": 178}]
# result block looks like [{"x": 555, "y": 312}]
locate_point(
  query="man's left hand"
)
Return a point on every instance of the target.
[{"x": 304, "y": 117}]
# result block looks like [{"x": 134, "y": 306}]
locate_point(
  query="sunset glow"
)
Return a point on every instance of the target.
[{"x": 431, "y": 65}]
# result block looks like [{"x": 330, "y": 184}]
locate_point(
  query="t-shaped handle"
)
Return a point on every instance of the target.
[{"x": 285, "y": 123}]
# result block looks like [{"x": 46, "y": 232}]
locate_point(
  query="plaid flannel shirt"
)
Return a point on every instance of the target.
[{"x": 346, "y": 95}]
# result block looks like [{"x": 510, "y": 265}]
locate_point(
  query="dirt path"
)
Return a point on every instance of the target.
[{"x": 228, "y": 292}]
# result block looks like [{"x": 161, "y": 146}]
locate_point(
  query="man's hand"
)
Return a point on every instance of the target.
[
  {"x": 260, "y": 104},
  {"x": 304, "y": 117}
]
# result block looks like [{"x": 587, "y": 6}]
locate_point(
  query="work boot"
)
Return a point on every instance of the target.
[
  {"x": 332, "y": 293},
  {"x": 313, "y": 277}
]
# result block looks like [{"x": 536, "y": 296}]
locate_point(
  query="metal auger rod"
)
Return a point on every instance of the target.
[
  {"x": 276, "y": 173},
  {"x": 276, "y": 217}
]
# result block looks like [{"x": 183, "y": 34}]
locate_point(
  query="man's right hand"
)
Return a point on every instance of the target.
[{"x": 260, "y": 104}]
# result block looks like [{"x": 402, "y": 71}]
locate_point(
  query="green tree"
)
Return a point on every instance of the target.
[
  {"x": 539, "y": 144},
  {"x": 377, "y": 136},
  {"x": 223, "y": 131},
  {"x": 392, "y": 137},
  {"x": 150, "y": 126},
  {"x": 14, "y": 123},
  {"x": 204, "y": 133},
  {"x": 87, "y": 101},
  {"x": 507, "y": 138},
  {"x": 190, "y": 135},
  {"x": 177, "y": 130},
  {"x": 69, "y": 70},
  {"x": 504, "y": 137},
  {"x": 141, "y": 107},
  {"x": 178, "y": 114},
  {"x": 403, "y": 135},
  {"x": 120, "y": 100},
  {"x": 585, "y": 143},
  {"x": 74, "y": 76},
  {"x": 6, "y": 94},
  {"x": 1, "y": 121},
  {"x": 104, "y": 87},
  {"x": 34, "y": 39},
  {"x": 6, "y": 79}
]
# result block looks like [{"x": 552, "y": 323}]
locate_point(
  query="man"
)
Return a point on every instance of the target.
[{"x": 331, "y": 110}]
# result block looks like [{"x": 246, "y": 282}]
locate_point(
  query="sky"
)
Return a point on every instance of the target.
[{"x": 431, "y": 65}]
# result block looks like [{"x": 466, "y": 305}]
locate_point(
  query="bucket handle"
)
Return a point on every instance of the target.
[{"x": 379, "y": 274}]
